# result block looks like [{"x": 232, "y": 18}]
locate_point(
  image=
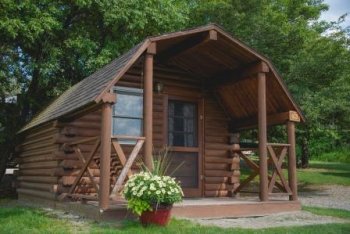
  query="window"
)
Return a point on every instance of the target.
[
  {"x": 128, "y": 113},
  {"x": 182, "y": 124}
]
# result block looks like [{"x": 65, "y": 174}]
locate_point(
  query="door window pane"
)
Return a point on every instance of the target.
[{"x": 182, "y": 124}]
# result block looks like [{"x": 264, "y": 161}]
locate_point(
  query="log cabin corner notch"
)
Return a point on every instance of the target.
[{"x": 88, "y": 141}]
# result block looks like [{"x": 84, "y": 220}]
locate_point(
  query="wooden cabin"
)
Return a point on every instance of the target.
[{"x": 193, "y": 91}]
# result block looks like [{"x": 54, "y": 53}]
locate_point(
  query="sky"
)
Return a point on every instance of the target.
[{"x": 336, "y": 9}]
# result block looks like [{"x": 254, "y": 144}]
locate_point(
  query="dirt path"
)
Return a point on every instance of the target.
[
  {"x": 300, "y": 218},
  {"x": 325, "y": 196},
  {"x": 334, "y": 196}
]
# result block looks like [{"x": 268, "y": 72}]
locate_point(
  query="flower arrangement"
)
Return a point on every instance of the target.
[{"x": 145, "y": 191}]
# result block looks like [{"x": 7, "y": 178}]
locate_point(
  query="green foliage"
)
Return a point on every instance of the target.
[
  {"x": 138, "y": 206},
  {"x": 340, "y": 155}
]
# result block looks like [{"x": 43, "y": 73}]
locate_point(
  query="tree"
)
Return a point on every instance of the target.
[{"x": 46, "y": 46}]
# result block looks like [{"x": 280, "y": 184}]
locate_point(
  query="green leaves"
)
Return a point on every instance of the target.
[{"x": 138, "y": 206}]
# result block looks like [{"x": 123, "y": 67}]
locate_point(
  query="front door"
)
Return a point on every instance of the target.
[{"x": 184, "y": 141}]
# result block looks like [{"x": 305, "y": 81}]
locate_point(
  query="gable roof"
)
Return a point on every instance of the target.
[{"x": 91, "y": 89}]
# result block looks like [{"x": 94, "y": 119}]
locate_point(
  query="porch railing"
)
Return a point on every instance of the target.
[
  {"x": 277, "y": 153},
  {"x": 121, "y": 172}
]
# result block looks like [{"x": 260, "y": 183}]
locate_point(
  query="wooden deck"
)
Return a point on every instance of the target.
[{"x": 190, "y": 208}]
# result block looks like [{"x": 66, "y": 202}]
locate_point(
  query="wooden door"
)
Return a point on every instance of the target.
[{"x": 184, "y": 137}]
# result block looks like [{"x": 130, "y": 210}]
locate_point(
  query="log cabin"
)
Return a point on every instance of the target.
[{"x": 193, "y": 91}]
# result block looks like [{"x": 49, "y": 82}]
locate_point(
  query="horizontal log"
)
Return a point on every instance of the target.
[
  {"x": 216, "y": 139},
  {"x": 39, "y": 165},
  {"x": 87, "y": 147},
  {"x": 221, "y": 193},
  {"x": 85, "y": 197},
  {"x": 221, "y": 173},
  {"x": 76, "y": 164},
  {"x": 216, "y": 153},
  {"x": 221, "y": 160},
  {"x": 216, "y": 166},
  {"x": 32, "y": 141},
  {"x": 219, "y": 186},
  {"x": 36, "y": 146},
  {"x": 69, "y": 180},
  {"x": 39, "y": 158},
  {"x": 83, "y": 124},
  {"x": 36, "y": 193},
  {"x": 73, "y": 172},
  {"x": 82, "y": 132},
  {"x": 78, "y": 190},
  {"x": 44, "y": 151},
  {"x": 39, "y": 179},
  {"x": 216, "y": 179},
  {"x": 38, "y": 172},
  {"x": 273, "y": 119},
  {"x": 40, "y": 133},
  {"x": 38, "y": 186},
  {"x": 218, "y": 146}
]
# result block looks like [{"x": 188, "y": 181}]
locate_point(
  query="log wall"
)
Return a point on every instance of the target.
[
  {"x": 38, "y": 166},
  {"x": 49, "y": 166}
]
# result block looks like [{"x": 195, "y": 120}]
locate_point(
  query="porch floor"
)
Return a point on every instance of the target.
[{"x": 191, "y": 208}]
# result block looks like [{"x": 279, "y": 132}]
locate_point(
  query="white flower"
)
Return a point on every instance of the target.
[{"x": 158, "y": 192}]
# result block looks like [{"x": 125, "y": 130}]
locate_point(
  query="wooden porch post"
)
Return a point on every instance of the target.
[
  {"x": 292, "y": 172},
  {"x": 148, "y": 105},
  {"x": 105, "y": 156},
  {"x": 262, "y": 127}
]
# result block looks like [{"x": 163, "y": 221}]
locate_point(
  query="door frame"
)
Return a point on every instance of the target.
[{"x": 195, "y": 192}]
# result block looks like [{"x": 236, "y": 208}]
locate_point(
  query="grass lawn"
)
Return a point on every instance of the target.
[
  {"x": 28, "y": 220},
  {"x": 325, "y": 173}
]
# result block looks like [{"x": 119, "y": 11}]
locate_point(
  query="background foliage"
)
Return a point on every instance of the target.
[{"x": 46, "y": 46}]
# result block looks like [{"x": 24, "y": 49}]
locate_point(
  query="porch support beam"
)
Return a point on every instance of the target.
[
  {"x": 262, "y": 128},
  {"x": 105, "y": 156},
  {"x": 273, "y": 119},
  {"x": 148, "y": 105},
  {"x": 292, "y": 172}
]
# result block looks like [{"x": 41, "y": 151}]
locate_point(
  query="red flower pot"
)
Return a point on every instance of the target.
[{"x": 160, "y": 215}]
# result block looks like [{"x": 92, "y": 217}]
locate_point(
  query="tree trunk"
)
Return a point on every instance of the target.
[{"x": 305, "y": 153}]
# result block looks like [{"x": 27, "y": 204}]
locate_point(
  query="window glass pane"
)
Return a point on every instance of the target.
[
  {"x": 129, "y": 105},
  {"x": 179, "y": 124},
  {"x": 125, "y": 126},
  {"x": 182, "y": 123}
]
